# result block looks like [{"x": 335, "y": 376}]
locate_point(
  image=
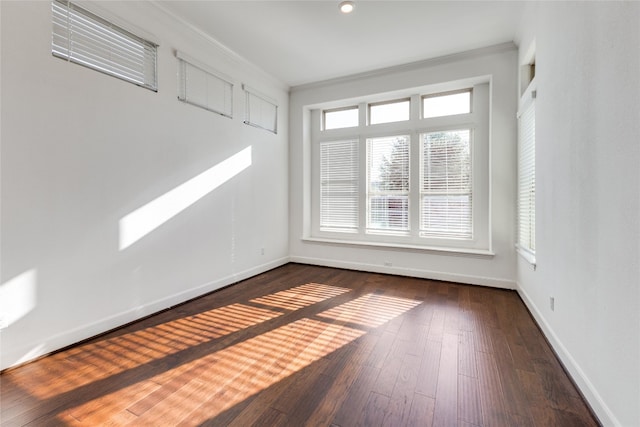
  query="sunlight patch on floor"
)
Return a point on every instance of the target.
[
  {"x": 202, "y": 389},
  {"x": 300, "y": 296},
  {"x": 370, "y": 310},
  {"x": 102, "y": 359}
]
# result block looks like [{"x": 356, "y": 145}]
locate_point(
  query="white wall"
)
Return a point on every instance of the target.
[
  {"x": 497, "y": 62},
  {"x": 587, "y": 201},
  {"x": 80, "y": 150}
]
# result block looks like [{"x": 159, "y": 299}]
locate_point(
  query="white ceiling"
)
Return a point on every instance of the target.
[{"x": 301, "y": 42}]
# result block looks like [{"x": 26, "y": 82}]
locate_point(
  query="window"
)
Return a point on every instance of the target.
[
  {"x": 199, "y": 86},
  {"x": 340, "y": 118},
  {"x": 446, "y": 196},
  {"x": 339, "y": 185},
  {"x": 86, "y": 39},
  {"x": 261, "y": 111},
  {"x": 527, "y": 176},
  {"x": 388, "y": 184},
  {"x": 417, "y": 182},
  {"x": 448, "y": 104},
  {"x": 389, "y": 111}
]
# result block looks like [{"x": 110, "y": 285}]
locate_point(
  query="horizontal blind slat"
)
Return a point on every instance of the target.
[
  {"x": 82, "y": 37},
  {"x": 446, "y": 205},
  {"x": 388, "y": 183},
  {"x": 339, "y": 185},
  {"x": 526, "y": 178}
]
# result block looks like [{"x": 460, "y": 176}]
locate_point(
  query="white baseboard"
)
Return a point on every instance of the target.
[
  {"x": 411, "y": 272},
  {"x": 590, "y": 393},
  {"x": 16, "y": 356}
]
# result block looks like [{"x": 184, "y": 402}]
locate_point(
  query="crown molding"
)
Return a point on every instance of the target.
[
  {"x": 461, "y": 56},
  {"x": 233, "y": 55}
]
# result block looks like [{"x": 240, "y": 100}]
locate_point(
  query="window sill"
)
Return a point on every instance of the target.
[
  {"x": 528, "y": 256},
  {"x": 436, "y": 249}
]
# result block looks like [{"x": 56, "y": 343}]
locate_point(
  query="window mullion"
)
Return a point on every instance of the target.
[
  {"x": 414, "y": 169},
  {"x": 362, "y": 171},
  {"x": 414, "y": 185},
  {"x": 362, "y": 185}
]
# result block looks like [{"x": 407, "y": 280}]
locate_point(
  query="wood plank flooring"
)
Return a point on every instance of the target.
[{"x": 304, "y": 345}]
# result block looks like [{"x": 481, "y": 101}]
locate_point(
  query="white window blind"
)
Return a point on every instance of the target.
[
  {"x": 388, "y": 184},
  {"x": 527, "y": 178},
  {"x": 203, "y": 88},
  {"x": 339, "y": 185},
  {"x": 446, "y": 190},
  {"x": 261, "y": 111},
  {"x": 80, "y": 36}
]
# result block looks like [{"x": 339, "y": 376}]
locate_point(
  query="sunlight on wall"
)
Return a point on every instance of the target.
[
  {"x": 36, "y": 351},
  {"x": 18, "y": 297},
  {"x": 144, "y": 220}
]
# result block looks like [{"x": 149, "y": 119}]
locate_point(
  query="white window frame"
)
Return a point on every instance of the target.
[
  {"x": 85, "y": 38},
  {"x": 478, "y": 123},
  {"x": 526, "y": 212}
]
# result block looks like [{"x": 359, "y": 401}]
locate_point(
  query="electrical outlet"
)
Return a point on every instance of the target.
[{"x": 552, "y": 303}]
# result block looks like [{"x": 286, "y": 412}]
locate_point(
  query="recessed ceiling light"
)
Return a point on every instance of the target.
[{"x": 346, "y": 7}]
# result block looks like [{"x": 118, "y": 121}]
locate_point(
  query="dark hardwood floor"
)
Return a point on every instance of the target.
[{"x": 303, "y": 345}]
